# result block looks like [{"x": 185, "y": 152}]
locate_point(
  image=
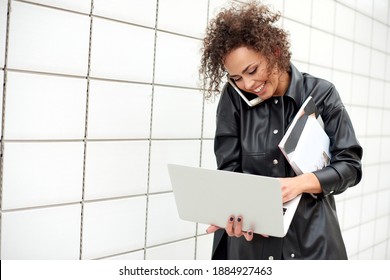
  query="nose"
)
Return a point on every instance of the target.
[{"x": 248, "y": 83}]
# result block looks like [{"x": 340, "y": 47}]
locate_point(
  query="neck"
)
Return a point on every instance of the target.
[{"x": 284, "y": 82}]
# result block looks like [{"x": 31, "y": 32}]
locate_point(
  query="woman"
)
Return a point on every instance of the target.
[{"x": 243, "y": 43}]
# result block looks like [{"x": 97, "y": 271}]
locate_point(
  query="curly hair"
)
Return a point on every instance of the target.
[{"x": 250, "y": 25}]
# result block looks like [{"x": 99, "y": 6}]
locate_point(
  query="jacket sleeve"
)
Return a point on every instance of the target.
[
  {"x": 227, "y": 143},
  {"x": 345, "y": 169}
]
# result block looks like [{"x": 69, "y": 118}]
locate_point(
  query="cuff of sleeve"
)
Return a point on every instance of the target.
[{"x": 328, "y": 178}]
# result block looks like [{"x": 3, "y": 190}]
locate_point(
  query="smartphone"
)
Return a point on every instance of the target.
[{"x": 250, "y": 99}]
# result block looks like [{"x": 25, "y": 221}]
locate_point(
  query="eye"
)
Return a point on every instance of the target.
[
  {"x": 236, "y": 79},
  {"x": 252, "y": 71}
]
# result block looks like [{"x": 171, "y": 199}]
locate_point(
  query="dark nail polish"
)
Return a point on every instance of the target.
[
  {"x": 239, "y": 219},
  {"x": 231, "y": 219},
  {"x": 249, "y": 232}
]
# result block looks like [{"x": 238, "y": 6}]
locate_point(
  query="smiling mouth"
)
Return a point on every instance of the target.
[{"x": 260, "y": 88}]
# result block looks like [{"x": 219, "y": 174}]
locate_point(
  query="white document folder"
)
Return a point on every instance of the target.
[{"x": 211, "y": 196}]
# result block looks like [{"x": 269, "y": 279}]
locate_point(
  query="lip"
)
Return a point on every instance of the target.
[{"x": 262, "y": 88}]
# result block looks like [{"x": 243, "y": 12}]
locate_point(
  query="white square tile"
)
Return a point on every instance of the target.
[
  {"x": 298, "y": 10},
  {"x": 374, "y": 122},
  {"x": 182, "y": 250},
  {"x": 173, "y": 16},
  {"x": 209, "y": 119},
  {"x": 3, "y": 30},
  {"x": 164, "y": 224},
  {"x": 361, "y": 60},
  {"x": 345, "y": 19},
  {"x": 1, "y": 97},
  {"x": 381, "y": 10},
  {"x": 379, "y": 251},
  {"x": 83, "y": 6},
  {"x": 384, "y": 177},
  {"x": 386, "y": 124},
  {"x": 137, "y": 255},
  {"x": 323, "y": 14},
  {"x": 177, "y": 60},
  {"x": 128, "y": 11},
  {"x": 371, "y": 151},
  {"x": 367, "y": 232},
  {"x": 57, "y": 40},
  {"x": 385, "y": 147},
  {"x": 383, "y": 203},
  {"x": 351, "y": 240},
  {"x": 351, "y": 215},
  {"x": 359, "y": 119},
  {"x": 186, "y": 152},
  {"x": 366, "y": 254},
  {"x": 360, "y": 88},
  {"x": 208, "y": 156},
  {"x": 204, "y": 246},
  {"x": 343, "y": 83},
  {"x": 299, "y": 39},
  {"x": 370, "y": 178},
  {"x": 215, "y": 7},
  {"x": 378, "y": 35},
  {"x": 177, "y": 113},
  {"x": 41, "y": 234},
  {"x": 364, "y": 6},
  {"x": 112, "y": 227},
  {"x": 386, "y": 101},
  {"x": 45, "y": 107},
  {"x": 377, "y": 99},
  {"x": 42, "y": 173},
  {"x": 119, "y": 110},
  {"x": 116, "y": 169},
  {"x": 363, "y": 27},
  {"x": 343, "y": 54},
  {"x": 368, "y": 207},
  {"x": 378, "y": 64},
  {"x": 122, "y": 58},
  {"x": 321, "y": 72},
  {"x": 381, "y": 229}
]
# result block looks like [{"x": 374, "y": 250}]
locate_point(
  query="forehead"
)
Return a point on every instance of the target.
[{"x": 240, "y": 58}]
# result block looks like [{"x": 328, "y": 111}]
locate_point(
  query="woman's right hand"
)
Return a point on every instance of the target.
[{"x": 234, "y": 228}]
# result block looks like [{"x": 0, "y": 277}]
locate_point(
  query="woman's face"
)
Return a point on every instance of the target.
[{"x": 249, "y": 70}]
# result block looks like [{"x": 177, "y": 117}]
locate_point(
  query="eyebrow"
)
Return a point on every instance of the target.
[{"x": 243, "y": 71}]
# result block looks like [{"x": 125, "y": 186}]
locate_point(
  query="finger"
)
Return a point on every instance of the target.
[
  {"x": 264, "y": 235},
  {"x": 238, "y": 227},
  {"x": 229, "y": 227},
  {"x": 248, "y": 235},
  {"x": 212, "y": 228}
]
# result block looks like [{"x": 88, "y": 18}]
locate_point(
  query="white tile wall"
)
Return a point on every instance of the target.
[
  {"x": 173, "y": 16},
  {"x": 85, "y": 152},
  {"x": 3, "y": 30},
  {"x": 37, "y": 174},
  {"x": 164, "y": 224},
  {"x": 53, "y": 107},
  {"x": 115, "y": 169},
  {"x": 57, "y": 41},
  {"x": 121, "y": 51},
  {"x": 44, "y": 234},
  {"x": 119, "y": 110},
  {"x": 128, "y": 11},
  {"x": 112, "y": 227}
]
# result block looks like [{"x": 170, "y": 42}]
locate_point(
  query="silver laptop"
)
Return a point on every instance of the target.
[{"x": 211, "y": 196}]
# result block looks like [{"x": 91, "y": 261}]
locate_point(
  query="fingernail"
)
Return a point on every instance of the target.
[
  {"x": 207, "y": 231},
  {"x": 239, "y": 219},
  {"x": 231, "y": 219},
  {"x": 249, "y": 232}
]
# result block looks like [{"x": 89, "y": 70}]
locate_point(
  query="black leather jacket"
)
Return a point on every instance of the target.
[{"x": 247, "y": 140}]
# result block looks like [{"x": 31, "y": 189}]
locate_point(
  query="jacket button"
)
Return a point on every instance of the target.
[
  {"x": 270, "y": 257},
  {"x": 293, "y": 255},
  {"x": 276, "y": 101},
  {"x": 276, "y": 131},
  {"x": 275, "y": 161}
]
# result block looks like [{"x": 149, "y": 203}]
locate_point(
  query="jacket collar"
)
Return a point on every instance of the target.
[{"x": 295, "y": 89}]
